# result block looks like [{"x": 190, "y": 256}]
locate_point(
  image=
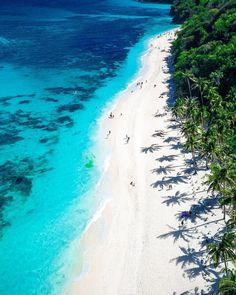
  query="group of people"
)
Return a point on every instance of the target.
[
  {"x": 112, "y": 116},
  {"x": 140, "y": 84},
  {"x": 169, "y": 186},
  {"x": 127, "y": 138}
]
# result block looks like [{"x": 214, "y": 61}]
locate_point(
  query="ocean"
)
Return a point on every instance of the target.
[{"x": 61, "y": 63}]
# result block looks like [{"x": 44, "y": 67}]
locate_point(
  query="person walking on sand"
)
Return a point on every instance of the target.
[
  {"x": 127, "y": 138},
  {"x": 132, "y": 183},
  {"x": 111, "y": 116},
  {"x": 109, "y": 133}
]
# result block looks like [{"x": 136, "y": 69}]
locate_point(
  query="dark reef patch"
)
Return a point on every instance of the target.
[
  {"x": 26, "y": 101},
  {"x": 71, "y": 107},
  {"x": 66, "y": 121},
  {"x": 9, "y": 138},
  {"x": 49, "y": 140},
  {"x": 50, "y": 127},
  {"x": 5, "y": 99},
  {"x": 16, "y": 182},
  {"x": 49, "y": 99},
  {"x": 44, "y": 140},
  {"x": 23, "y": 185}
]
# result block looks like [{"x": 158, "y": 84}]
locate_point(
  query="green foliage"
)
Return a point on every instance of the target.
[
  {"x": 223, "y": 250},
  {"x": 205, "y": 81},
  {"x": 227, "y": 285},
  {"x": 221, "y": 177},
  {"x": 182, "y": 9},
  {"x": 206, "y": 44}
]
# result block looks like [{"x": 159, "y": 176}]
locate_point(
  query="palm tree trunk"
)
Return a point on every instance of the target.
[
  {"x": 225, "y": 263},
  {"x": 224, "y": 212},
  {"x": 189, "y": 87},
  {"x": 201, "y": 96}
]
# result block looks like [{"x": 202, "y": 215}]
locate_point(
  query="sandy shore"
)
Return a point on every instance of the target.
[{"x": 138, "y": 245}]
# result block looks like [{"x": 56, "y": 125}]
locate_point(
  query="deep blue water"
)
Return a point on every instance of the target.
[{"x": 61, "y": 62}]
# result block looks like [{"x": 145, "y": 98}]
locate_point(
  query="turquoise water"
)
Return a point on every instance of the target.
[{"x": 57, "y": 74}]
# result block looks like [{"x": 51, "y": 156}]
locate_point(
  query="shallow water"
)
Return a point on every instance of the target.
[{"x": 60, "y": 66}]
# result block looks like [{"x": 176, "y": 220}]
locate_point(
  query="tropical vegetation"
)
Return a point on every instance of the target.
[{"x": 204, "y": 56}]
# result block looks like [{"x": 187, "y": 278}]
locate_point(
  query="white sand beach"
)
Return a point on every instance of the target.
[{"x": 138, "y": 246}]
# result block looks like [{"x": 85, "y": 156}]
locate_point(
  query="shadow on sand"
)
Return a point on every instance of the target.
[
  {"x": 176, "y": 199},
  {"x": 150, "y": 149},
  {"x": 192, "y": 261}
]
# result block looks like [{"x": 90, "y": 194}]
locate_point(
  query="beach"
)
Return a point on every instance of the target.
[{"x": 139, "y": 244}]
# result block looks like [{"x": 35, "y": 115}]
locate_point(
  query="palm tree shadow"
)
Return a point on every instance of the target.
[
  {"x": 158, "y": 115},
  {"x": 207, "y": 240},
  {"x": 177, "y": 146},
  {"x": 170, "y": 82},
  {"x": 163, "y": 170},
  {"x": 169, "y": 181},
  {"x": 176, "y": 199},
  {"x": 190, "y": 170},
  {"x": 200, "y": 269},
  {"x": 177, "y": 233},
  {"x": 213, "y": 286},
  {"x": 171, "y": 139},
  {"x": 157, "y": 133},
  {"x": 177, "y": 179},
  {"x": 190, "y": 256},
  {"x": 158, "y": 183},
  {"x": 168, "y": 158},
  {"x": 174, "y": 126},
  {"x": 203, "y": 207},
  {"x": 195, "y": 291},
  {"x": 150, "y": 149}
]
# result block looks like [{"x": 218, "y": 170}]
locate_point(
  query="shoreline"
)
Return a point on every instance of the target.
[{"x": 120, "y": 248}]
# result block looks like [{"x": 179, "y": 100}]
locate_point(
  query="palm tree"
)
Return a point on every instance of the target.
[
  {"x": 179, "y": 109},
  {"x": 193, "y": 110},
  {"x": 220, "y": 179},
  {"x": 231, "y": 222},
  {"x": 229, "y": 198},
  {"x": 202, "y": 85},
  {"x": 213, "y": 97},
  {"x": 188, "y": 76},
  {"x": 192, "y": 133},
  {"x": 221, "y": 121},
  {"x": 227, "y": 285},
  {"x": 209, "y": 148},
  {"x": 223, "y": 250}
]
